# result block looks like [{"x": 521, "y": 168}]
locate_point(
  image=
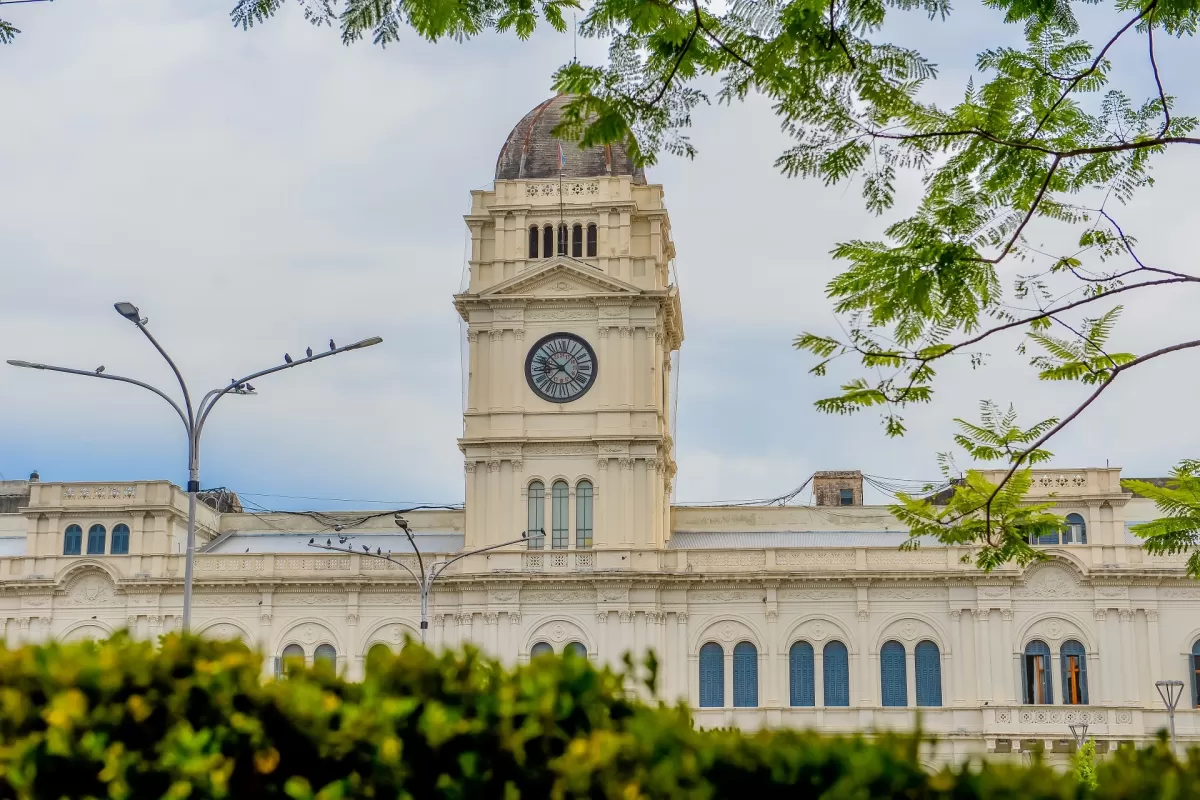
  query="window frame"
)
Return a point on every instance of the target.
[
  {"x": 535, "y": 233},
  {"x": 118, "y": 544},
  {"x": 893, "y": 675},
  {"x": 535, "y": 514},
  {"x": 711, "y": 686},
  {"x": 845, "y": 497},
  {"x": 577, "y": 241},
  {"x": 540, "y": 648},
  {"x": 101, "y": 536},
  {"x": 585, "y": 493},
  {"x": 1074, "y": 686},
  {"x": 562, "y": 239},
  {"x": 560, "y": 515},
  {"x": 547, "y": 240},
  {"x": 928, "y": 673},
  {"x": 802, "y": 674},
  {"x": 591, "y": 240},
  {"x": 74, "y": 537},
  {"x": 835, "y": 655},
  {"x": 745, "y": 675},
  {"x": 1030, "y": 669}
]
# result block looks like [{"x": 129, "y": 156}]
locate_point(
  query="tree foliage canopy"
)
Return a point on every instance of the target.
[{"x": 1041, "y": 135}]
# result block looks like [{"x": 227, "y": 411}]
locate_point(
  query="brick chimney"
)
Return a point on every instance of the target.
[{"x": 838, "y": 488}]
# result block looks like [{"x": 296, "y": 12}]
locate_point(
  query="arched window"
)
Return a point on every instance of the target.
[
  {"x": 712, "y": 676},
  {"x": 577, "y": 240},
  {"x": 1073, "y": 658},
  {"x": 325, "y": 654},
  {"x": 72, "y": 540},
  {"x": 291, "y": 653},
  {"x": 1075, "y": 531},
  {"x": 1035, "y": 668},
  {"x": 120, "y": 540},
  {"x": 836, "y": 674},
  {"x": 800, "y": 667},
  {"x": 893, "y": 673},
  {"x": 562, "y": 239},
  {"x": 575, "y": 649},
  {"x": 536, "y": 521},
  {"x": 583, "y": 514},
  {"x": 745, "y": 675},
  {"x": 559, "y": 520},
  {"x": 1196, "y": 674},
  {"x": 96, "y": 536},
  {"x": 929, "y": 674},
  {"x": 533, "y": 241},
  {"x": 547, "y": 241},
  {"x": 541, "y": 649},
  {"x": 591, "y": 241},
  {"x": 379, "y": 658}
]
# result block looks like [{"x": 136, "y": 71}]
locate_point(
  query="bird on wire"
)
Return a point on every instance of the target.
[
  {"x": 99, "y": 369},
  {"x": 287, "y": 358},
  {"x": 328, "y": 543},
  {"x": 378, "y": 551},
  {"x": 332, "y": 346},
  {"x": 249, "y": 388},
  {"x": 309, "y": 351},
  {"x": 310, "y": 541},
  {"x": 366, "y": 549}
]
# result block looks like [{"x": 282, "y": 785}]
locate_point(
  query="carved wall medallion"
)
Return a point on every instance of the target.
[
  {"x": 92, "y": 589},
  {"x": 1051, "y": 582}
]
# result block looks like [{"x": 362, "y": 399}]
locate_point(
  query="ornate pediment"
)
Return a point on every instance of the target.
[{"x": 560, "y": 277}]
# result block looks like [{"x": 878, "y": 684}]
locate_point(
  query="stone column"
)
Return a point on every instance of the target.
[
  {"x": 491, "y": 359},
  {"x": 1106, "y": 678},
  {"x": 1155, "y": 648},
  {"x": 685, "y": 665},
  {"x": 954, "y": 670},
  {"x": 910, "y": 675},
  {"x": 625, "y": 501},
  {"x": 625, "y": 639},
  {"x": 439, "y": 632},
  {"x": 491, "y": 633},
  {"x": 867, "y": 681},
  {"x": 600, "y": 533},
  {"x": 775, "y": 666},
  {"x": 626, "y": 393},
  {"x": 1003, "y": 677},
  {"x": 984, "y": 658},
  {"x": 495, "y": 503},
  {"x": 473, "y": 370},
  {"x": 1129, "y": 675}
]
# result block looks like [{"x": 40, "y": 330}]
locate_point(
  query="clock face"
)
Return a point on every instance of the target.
[{"x": 561, "y": 367}]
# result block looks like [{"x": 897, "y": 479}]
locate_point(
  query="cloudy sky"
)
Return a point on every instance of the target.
[{"x": 257, "y": 192}]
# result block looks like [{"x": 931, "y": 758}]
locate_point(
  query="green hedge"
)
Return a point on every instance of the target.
[{"x": 193, "y": 718}]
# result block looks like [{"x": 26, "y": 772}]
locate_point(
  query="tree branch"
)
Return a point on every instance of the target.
[
  {"x": 1095, "y": 65},
  {"x": 682, "y": 54},
  {"x": 1079, "y": 410},
  {"x": 1157, "y": 80},
  {"x": 1029, "y": 214}
]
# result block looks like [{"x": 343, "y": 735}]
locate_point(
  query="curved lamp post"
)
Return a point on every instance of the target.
[
  {"x": 193, "y": 417},
  {"x": 425, "y": 576},
  {"x": 1170, "y": 692}
]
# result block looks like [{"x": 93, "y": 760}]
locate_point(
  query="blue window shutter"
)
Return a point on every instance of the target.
[
  {"x": 929, "y": 674},
  {"x": 892, "y": 673},
  {"x": 745, "y": 675},
  {"x": 120, "y": 539},
  {"x": 1037, "y": 653},
  {"x": 836, "y": 675},
  {"x": 800, "y": 662},
  {"x": 1196, "y": 675},
  {"x": 95, "y": 540},
  {"x": 72, "y": 540},
  {"x": 1073, "y": 651},
  {"x": 712, "y": 676}
]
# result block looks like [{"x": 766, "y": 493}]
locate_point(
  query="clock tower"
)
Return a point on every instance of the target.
[{"x": 572, "y": 321}]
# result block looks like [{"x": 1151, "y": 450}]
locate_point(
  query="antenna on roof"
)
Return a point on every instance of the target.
[{"x": 575, "y": 37}]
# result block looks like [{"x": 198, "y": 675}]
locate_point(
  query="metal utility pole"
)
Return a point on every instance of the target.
[
  {"x": 1170, "y": 692},
  {"x": 193, "y": 417},
  {"x": 425, "y": 576}
]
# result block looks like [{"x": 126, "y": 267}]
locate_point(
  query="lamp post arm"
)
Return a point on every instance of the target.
[
  {"x": 460, "y": 556},
  {"x": 417, "y": 550},
  {"x": 212, "y": 397},
  {"x": 187, "y": 398},
  {"x": 400, "y": 564},
  {"x": 120, "y": 378}
]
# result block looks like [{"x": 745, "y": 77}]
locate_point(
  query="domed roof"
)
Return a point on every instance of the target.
[{"x": 532, "y": 152}]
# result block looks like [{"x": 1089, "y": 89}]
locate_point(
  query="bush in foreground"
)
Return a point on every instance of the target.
[{"x": 193, "y": 719}]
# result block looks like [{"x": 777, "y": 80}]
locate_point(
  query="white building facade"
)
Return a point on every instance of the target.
[{"x": 806, "y": 616}]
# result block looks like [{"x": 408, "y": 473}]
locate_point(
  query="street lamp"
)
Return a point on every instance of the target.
[
  {"x": 425, "y": 576},
  {"x": 1079, "y": 731},
  {"x": 193, "y": 417},
  {"x": 1170, "y": 692}
]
